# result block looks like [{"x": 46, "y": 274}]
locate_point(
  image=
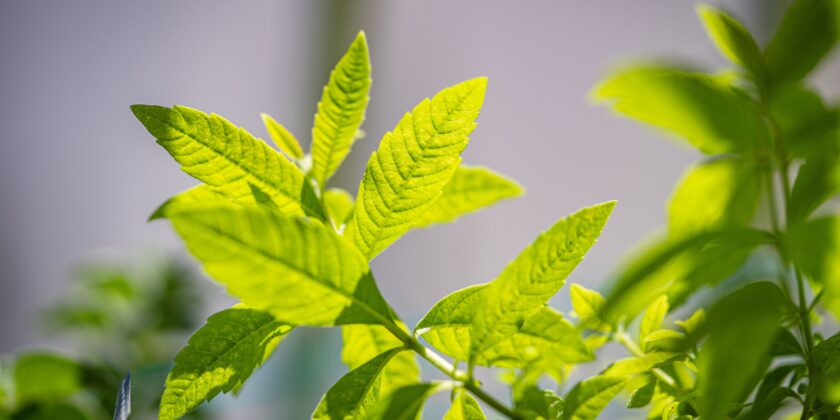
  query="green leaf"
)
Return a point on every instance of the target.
[
  {"x": 732, "y": 39},
  {"x": 471, "y": 189},
  {"x": 537, "y": 273},
  {"x": 678, "y": 266},
  {"x": 827, "y": 362},
  {"x": 741, "y": 328},
  {"x": 641, "y": 364},
  {"x": 464, "y": 407},
  {"x": 653, "y": 317},
  {"x": 642, "y": 395},
  {"x": 818, "y": 180},
  {"x": 589, "y": 397},
  {"x": 220, "y": 356},
  {"x": 447, "y": 325},
  {"x": 693, "y": 323},
  {"x": 406, "y": 403},
  {"x": 413, "y": 164},
  {"x": 45, "y": 377},
  {"x": 199, "y": 197},
  {"x": 282, "y": 265},
  {"x": 226, "y": 157},
  {"x": 357, "y": 392},
  {"x": 339, "y": 204},
  {"x": 361, "y": 343},
  {"x": 808, "y": 31},
  {"x": 341, "y": 110},
  {"x": 544, "y": 338},
  {"x": 588, "y": 305},
  {"x": 282, "y": 137},
  {"x": 719, "y": 193},
  {"x": 814, "y": 247},
  {"x": 536, "y": 403},
  {"x": 712, "y": 115},
  {"x": 807, "y": 124}
]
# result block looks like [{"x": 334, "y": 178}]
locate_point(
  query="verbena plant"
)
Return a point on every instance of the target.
[{"x": 295, "y": 252}]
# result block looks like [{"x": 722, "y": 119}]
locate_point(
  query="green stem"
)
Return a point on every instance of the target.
[{"x": 438, "y": 361}]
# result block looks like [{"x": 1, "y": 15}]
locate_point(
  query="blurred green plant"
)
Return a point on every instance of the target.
[
  {"x": 265, "y": 224},
  {"x": 116, "y": 318},
  {"x": 772, "y": 144}
]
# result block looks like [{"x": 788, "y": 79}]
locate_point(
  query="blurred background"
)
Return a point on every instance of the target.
[{"x": 80, "y": 175}]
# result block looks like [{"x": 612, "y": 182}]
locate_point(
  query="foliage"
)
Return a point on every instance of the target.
[
  {"x": 296, "y": 252},
  {"x": 118, "y": 317}
]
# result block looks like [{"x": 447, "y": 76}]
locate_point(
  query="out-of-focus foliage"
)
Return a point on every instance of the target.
[
  {"x": 116, "y": 318},
  {"x": 772, "y": 142}
]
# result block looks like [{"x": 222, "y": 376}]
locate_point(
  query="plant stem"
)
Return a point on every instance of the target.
[
  {"x": 623, "y": 338},
  {"x": 438, "y": 361}
]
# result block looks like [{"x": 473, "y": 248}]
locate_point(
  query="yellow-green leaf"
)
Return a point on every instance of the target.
[
  {"x": 732, "y": 39},
  {"x": 339, "y": 204},
  {"x": 413, "y": 164},
  {"x": 653, "y": 317},
  {"x": 282, "y": 265},
  {"x": 341, "y": 110},
  {"x": 226, "y": 157},
  {"x": 363, "y": 342},
  {"x": 589, "y": 397},
  {"x": 282, "y": 137},
  {"x": 406, "y": 403},
  {"x": 534, "y": 276},
  {"x": 464, "y": 407},
  {"x": 471, "y": 189}
]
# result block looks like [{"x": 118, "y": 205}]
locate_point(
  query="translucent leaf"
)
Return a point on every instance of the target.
[
  {"x": 220, "y": 356},
  {"x": 406, "y": 403},
  {"x": 534, "y": 276},
  {"x": 447, "y": 325},
  {"x": 339, "y": 204},
  {"x": 653, "y": 317},
  {"x": 45, "y": 377},
  {"x": 814, "y": 246},
  {"x": 536, "y": 403},
  {"x": 413, "y": 164},
  {"x": 641, "y": 364},
  {"x": 341, "y": 110},
  {"x": 357, "y": 392},
  {"x": 471, "y": 189},
  {"x": 732, "y": 39},
  {"x": 363, "y": 342},
  {"x": 712, "y": 115},
  {"x": 809, "y": 29},
  {"x": 464, "y": 407},
  {"x": 283, "y": 138},
  {"x": 719, "y": 193},
  {"x": 741, "y": 329},
  {"x": 589, "y": 397},
  {"x": 196, "y": 198},
  {"x": 544, "y": 338},
  {"x": 282, "y": 265},
  {"x": 226, "y": 157},
  {"x": 587, "y": 305}
]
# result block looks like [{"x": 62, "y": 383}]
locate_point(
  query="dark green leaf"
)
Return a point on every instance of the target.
[{"x": 809, "y": 29}]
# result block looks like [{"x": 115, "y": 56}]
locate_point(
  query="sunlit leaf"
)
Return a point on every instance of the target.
[
  {"x": 282, "y": 265},
  {"x": 225, "y": 157},
  {"x": 471, "y": 189},
  {"x": 534, "y": 276},
  {"x": 361, "y": 343},
  {"x": 45, "y": 377},
  {"x": 464, "y": 407},
  {"x": 341, "y": 110},
  {"x": 339, "y": 204},
  {"x": 413, "y": 164},
  {"x": 406, "y": 403},
  {"x": 282, "y": 137},
  {"x": 653, "y": 317},
  {"x": 589, "y": 397},
  {"x": 642, "y": 395}
]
